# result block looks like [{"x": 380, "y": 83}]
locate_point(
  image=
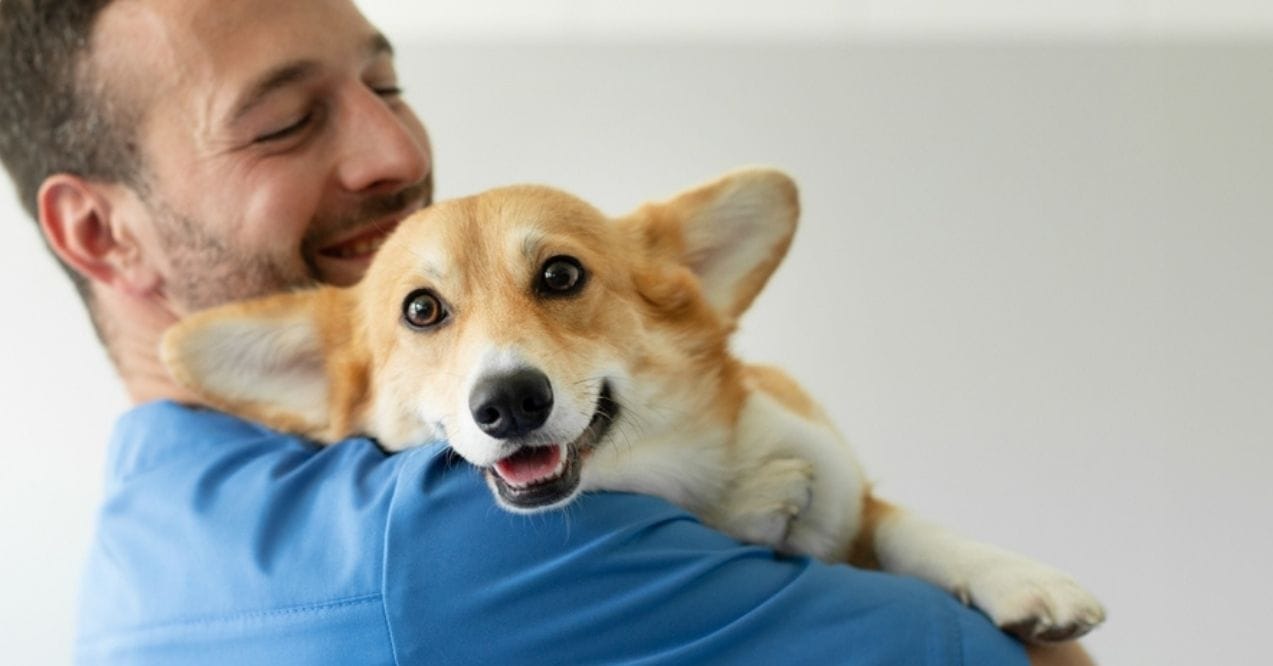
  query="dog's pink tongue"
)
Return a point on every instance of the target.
[{"x": 531, "y": 464}]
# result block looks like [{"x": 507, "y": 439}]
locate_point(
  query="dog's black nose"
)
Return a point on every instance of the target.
[{"x": 511, "y": 405}]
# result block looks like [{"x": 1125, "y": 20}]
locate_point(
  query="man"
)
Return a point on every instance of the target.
[{"x": 181, "y": 154}]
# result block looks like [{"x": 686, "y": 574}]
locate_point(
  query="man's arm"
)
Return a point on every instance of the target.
[
  {"x": 626, "y": 578},
  {"x": 223, "y": 542}
]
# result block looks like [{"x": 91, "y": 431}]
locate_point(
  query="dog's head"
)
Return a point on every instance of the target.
[{"x": 520, "y": 325}]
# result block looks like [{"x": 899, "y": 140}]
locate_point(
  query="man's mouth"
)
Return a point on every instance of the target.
[
  {"x": 343, "y": 262},
  {"x": 362, "y": 246},
  {"x": 343, "y": 253},
  {"x": 536, "y": 478}
]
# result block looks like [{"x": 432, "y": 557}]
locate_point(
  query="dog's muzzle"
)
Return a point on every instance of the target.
[{"x": 540, "y": 476}]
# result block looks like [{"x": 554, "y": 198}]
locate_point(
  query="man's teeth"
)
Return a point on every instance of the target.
[{"x": 360, "y": 248}]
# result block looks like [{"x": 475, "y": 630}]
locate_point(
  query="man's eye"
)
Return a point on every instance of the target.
[
  {"x": 286, "y": 131},
  {"x": 388, "y": 91}
]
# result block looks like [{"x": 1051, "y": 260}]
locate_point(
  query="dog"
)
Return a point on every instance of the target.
[{"x": 560, "y": 351}]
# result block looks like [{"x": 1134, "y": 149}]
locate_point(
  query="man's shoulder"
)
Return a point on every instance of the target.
[
  {"x": 168, "y": 434},
  {"x": 212, "y": 526}
]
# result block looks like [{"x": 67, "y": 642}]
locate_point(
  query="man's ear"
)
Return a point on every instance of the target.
[
  {"x": 290, "y": 361},
  {"x": 731, "y": 233},
  {"x": 77, "y": 218}
]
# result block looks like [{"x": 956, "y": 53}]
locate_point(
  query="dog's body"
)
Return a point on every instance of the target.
[{"x": 559, "y": 351}]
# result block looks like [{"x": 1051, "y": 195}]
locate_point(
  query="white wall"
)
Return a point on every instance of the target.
[
  {"x": 1032, "y": 283},
  {"x": 770, "y": 19}
]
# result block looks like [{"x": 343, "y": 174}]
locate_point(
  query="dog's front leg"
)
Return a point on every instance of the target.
[
  {"x": 764, "y": 502},
  {"x": 1032, "y": 600}
]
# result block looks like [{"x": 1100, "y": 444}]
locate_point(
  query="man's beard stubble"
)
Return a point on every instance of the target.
[{"x": 209, "y": 270}]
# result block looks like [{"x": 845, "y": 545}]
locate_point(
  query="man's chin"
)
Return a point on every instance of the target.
[{"x": 342, "y": 271}]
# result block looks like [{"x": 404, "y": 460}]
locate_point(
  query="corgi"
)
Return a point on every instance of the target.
[{"x": 560, "y": 351}]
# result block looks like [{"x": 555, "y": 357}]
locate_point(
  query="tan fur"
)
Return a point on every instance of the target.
[
  {"x": 785, "y": 390},
  {"x": 345, "y": 367},
  {"x": 874, "y": 512},
  {"x": 745, "y": 447}
]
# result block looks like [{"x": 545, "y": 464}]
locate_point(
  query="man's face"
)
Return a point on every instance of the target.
[{"x": 276, "y": 148}]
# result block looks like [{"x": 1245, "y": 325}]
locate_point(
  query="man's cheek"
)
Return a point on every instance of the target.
[{"x": 278, "y": 212}]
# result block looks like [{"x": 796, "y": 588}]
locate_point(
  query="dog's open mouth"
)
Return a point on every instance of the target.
[{"x": 537, "y": 477}]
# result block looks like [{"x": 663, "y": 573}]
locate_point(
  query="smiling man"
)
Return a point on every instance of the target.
[
  {"x": 182, "y": 154},
  {"x": 224, "y": 149}
]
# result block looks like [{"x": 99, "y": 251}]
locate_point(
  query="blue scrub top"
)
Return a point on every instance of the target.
[{"x": 222, "y": 542}]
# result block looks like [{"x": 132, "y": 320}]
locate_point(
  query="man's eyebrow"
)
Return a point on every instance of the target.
[{"x": 289, "y": 73}]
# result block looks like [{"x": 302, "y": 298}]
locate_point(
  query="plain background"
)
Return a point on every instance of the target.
[{"x": 1033, "y": 281}]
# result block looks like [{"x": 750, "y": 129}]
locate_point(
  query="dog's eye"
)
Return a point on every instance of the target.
[
  {"x": 423, "y": 309},
  {"x": 562, "y": 276}
]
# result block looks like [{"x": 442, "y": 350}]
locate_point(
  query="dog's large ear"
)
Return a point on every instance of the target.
[
  {"x": 731, "y": 233},
  {"x": 289, "y": 361}
]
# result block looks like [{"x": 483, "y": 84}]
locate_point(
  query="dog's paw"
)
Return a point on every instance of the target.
[
  {"x": 766, "y": 501},
  {"x": 1030, "y": 600}
]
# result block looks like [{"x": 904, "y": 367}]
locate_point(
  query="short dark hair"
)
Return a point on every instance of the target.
[{"x": 55, "y": 117}]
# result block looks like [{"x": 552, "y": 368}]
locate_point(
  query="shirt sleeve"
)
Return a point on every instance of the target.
[
  {"x": 221, "y": 542},
  {"x": 622, "y": 578}
]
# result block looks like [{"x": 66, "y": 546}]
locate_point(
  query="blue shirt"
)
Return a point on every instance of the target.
[{"x": 222, "y": 542}]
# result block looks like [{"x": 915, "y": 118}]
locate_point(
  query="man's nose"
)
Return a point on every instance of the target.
[{"x": 382, "y": 148}]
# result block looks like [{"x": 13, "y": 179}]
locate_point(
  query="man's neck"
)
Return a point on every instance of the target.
[{"x": 133, "y": 328}]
